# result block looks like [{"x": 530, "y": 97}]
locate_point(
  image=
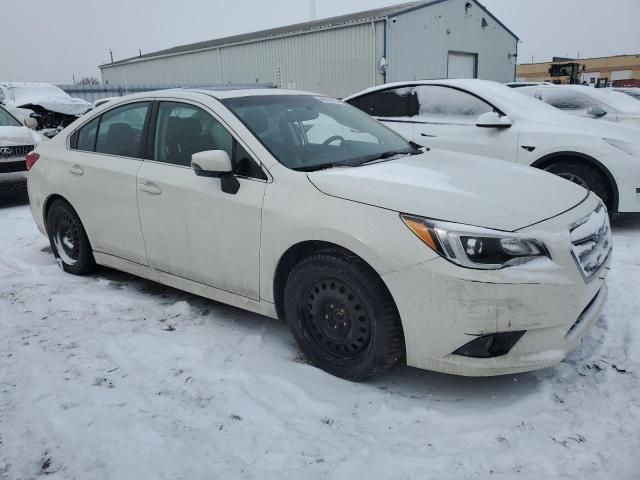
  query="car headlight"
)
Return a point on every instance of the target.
[
  {"x": 628, "y": 148},
  {"x": 475, "y": 247}
]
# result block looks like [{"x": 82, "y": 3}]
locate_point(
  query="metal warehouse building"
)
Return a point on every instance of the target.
[{"x": 342, "y": 55}]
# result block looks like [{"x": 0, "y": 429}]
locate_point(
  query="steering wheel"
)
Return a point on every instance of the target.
[{"x": 330, "y": 140}]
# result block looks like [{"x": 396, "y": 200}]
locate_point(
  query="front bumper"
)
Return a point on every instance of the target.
[
  {"x": 14, "y": 181},
  {"x": 444, "y": 307}
]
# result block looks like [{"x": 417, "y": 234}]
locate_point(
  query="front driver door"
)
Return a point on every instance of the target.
[
  {"x": 192, "y": 229},
  {"x": 447, "y": 118}
]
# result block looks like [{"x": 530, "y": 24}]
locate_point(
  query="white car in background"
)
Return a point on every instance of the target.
[
  {"x": 633, "y": 92},
  {"x": 298, "y": 206},
  {"x": 52, "y": 107},
  {"x": 594, "y": 103},
  {"x": 490, "y": 119},
  {"x": 16, "y": 141}
]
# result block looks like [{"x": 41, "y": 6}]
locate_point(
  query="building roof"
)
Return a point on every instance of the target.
[{"x": 298, "y": 28}]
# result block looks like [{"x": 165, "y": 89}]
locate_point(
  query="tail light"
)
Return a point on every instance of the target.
[{"x": 32, "y": 158}]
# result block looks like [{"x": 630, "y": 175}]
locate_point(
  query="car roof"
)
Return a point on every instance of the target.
[
  {"x": 217, "y": 94},
  {"x": 464, "y": 83}
]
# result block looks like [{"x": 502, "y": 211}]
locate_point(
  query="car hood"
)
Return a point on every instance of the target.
[
  {"x": 14, "y": 136},
  {"x": 596, "y": 127},
  {"x": 455, "y": 187}
]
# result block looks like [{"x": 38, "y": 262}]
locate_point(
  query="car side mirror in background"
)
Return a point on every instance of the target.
[
  {"x": 597, "y": 111},
  {"x": 216, "y": 164},
  {"x": 493, "y": 120},
  {"x": 31, "y": 123}
]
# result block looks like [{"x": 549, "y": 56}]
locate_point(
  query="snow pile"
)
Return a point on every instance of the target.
[{"x": 112, "y": 377}]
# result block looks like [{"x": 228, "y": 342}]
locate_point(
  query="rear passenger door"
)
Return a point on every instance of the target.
[
  {"x": 99, "y": 176},
  {"x": 193, "y": 229}
]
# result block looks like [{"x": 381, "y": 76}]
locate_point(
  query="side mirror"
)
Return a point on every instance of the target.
[
  {"x": 597, "y": 111},
  {"x": 216, "y": 164},
  {"x": 212, "y": 163},
  {"x": 493, "y": 120},
  {"x": 31, "y": 123}
]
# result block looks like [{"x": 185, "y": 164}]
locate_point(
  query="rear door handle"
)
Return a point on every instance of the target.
[
  {"x": 427, "y": 135},
  {"x": 76, "y": 170},
  {"x": 150, "y": 188}
]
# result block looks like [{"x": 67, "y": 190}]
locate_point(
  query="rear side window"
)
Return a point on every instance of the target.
[
  {"x": 121, "y": 129},
  {"x": 397, "y": 102},
  {"x": 86, "y": 136}
]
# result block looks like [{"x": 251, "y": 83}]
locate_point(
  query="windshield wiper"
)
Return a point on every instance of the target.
[{"x": 387, "y": 155}]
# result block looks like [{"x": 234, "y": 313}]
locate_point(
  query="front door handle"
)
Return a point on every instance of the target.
[
  {"x": 150, "y": 188},
  {"x": 76, "y": 170},
  {"x": 427, "y": 135}
]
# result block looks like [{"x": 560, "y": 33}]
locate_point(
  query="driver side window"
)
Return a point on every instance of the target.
[{"x": 449, "y": 104}]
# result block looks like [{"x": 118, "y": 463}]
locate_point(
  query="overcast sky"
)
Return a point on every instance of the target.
[{"x": 46, "y": 40}]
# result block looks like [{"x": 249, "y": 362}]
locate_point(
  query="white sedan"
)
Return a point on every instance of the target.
[
  {"x": 596, "y": 103},
  {"x": 487, "y": 118},
  {"x": 298, "y": 206}
]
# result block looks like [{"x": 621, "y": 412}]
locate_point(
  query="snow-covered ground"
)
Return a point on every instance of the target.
[{"x": 113, "y": 377}]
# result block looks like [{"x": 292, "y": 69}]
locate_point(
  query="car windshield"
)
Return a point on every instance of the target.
[
  {"x": 306, "y": 132},
  {"x": 7, "y": 120}
]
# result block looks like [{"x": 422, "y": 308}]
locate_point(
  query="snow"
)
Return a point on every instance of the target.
[{"x": 113, "y": 377}]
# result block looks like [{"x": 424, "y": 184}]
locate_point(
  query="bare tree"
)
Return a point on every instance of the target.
[{"x": 89, "y": 81}]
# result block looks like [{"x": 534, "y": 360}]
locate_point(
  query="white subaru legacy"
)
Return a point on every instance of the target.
[
  {"x": 298, "y": 206},
  {"x": 491, "y": 119}
]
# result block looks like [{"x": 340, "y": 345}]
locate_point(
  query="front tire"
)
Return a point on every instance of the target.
[
  {"x": 586, "y": 176},
  {"x": 342, "y": 316},
  {"x": 69, "y": 242}
]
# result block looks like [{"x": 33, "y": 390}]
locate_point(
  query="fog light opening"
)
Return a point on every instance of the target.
[{"x": 490, "y": 346}]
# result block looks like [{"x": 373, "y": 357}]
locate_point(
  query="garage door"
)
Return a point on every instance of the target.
[{"x": 462, "y": 65}]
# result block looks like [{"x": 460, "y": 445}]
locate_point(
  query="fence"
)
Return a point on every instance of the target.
[{"x": 91, "y": 93}]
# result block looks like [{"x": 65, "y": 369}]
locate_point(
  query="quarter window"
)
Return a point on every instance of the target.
[
  {"x": 86, "y": 136},
  {"x": 120, "y": 131}
]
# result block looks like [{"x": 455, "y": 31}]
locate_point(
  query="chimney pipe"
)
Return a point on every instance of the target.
[{"x": 312, "y": 10}]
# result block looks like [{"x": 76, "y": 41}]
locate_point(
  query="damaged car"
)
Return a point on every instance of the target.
[
  {"x": 297, "y": 206},
  {"x": 51, "y": 107}
]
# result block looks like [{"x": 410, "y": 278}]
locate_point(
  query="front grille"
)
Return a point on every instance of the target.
[
  {"x": 17, "y": 151},
  {"x": 591, "y": 242},
  {"x": 11, "y": 167}
]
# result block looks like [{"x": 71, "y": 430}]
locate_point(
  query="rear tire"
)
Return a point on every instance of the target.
[
  {"x": 342, "y": 316},
  {"x": 69, "y": 242},
  {"x": 586, "y": 176}
]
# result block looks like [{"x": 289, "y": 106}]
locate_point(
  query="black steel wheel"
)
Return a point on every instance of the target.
[
  {"x": 69, "y": 242},
  {"x": 342, "y": 316},
  {"x": 337, "y": 319}
]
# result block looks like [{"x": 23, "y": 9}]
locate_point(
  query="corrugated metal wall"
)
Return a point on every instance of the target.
[
  {"x": 341, "y": 61},
  {"x": 418, "y": 43},
  {"x": 91, "y": 93},
  {"x": 336, "y": 62}
]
